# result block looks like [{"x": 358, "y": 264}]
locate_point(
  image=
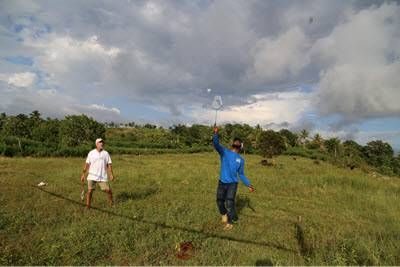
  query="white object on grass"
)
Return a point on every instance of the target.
[
  {"x": 83, "y": 195},
  {"x": 42, "y": 184}
]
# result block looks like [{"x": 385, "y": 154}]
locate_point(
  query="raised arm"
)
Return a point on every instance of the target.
[{"x": 216, "y": 144}]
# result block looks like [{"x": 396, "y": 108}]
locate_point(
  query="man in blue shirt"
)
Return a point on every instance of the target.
[{"x": 232, "y": 167}]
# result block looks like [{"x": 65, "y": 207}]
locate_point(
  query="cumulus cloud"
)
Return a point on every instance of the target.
[
  {"x": 165, "y": 54},
  {"x": 72, "y": 63},
  {"x": 23, "y": 79},
  {"x": 52, "y": 103},
  {"x": 360, "y": 67},
  {"x": 269, "y": 109},
  {"x": 104, "y": 108},
  {"x": 282, "y": 57}
]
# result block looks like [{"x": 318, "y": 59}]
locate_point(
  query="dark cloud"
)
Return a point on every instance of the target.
[{"x": 165, "y": 53}]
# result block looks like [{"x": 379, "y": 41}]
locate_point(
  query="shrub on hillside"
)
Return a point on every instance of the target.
[
  {"x": 77, "y": 130},
  {"x": 271, "y": 144}
]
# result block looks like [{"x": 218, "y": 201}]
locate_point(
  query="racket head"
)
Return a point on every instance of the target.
[{"x": 217, "y": 103}]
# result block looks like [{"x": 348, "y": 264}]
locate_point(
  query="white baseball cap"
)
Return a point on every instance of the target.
[{"x": 98, "y": 140}]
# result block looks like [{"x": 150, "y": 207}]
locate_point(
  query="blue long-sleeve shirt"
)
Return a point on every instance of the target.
[{"x": 232, "y": 164}]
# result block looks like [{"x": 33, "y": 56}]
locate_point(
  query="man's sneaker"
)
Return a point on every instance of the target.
[
  {"x": 224, "y": 218},
  {"x": 228, "y": 227}
]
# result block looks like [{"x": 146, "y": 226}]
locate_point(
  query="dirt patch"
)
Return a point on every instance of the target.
[{"x": 185, "y": 250}]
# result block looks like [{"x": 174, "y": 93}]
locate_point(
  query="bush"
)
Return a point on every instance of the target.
[
  {"x": 14, "y": 146},
  {"x": 378, "y": 153},
  {"x": 271, "y": 144},
  {"x": 2, "y": 148},
  {"x": 386, "y": 170},
  {"x": 78, "y": 130},
  {"x": 9, "y": 151},
  {"x": 297, "y": 151}
]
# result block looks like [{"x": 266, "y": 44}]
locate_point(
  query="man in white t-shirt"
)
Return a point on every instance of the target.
[{"x": 97, "y": 168}]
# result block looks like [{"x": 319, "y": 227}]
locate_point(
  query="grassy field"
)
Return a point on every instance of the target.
[{"x": 302, "y": 213}]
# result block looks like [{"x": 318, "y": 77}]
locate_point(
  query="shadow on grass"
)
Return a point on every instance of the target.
[
  {"x": 264, "y": 262},
  {"x": 125, "y": 196},
  {"x": 304, "y": 248},
  {"x": 173, "y": 227},
  {"x": 243, "y": 202}
]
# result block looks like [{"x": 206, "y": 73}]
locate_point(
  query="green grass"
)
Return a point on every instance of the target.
[{"x": 302, "y": 213}]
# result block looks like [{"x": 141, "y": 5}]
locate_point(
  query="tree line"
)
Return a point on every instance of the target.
[{"x": 32, "y": 135}]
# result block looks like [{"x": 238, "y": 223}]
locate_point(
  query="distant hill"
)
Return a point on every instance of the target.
[{"x": 32, "y": 135}]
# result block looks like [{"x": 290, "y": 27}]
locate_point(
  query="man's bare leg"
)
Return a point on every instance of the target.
[{"x": 89, "y": 198}]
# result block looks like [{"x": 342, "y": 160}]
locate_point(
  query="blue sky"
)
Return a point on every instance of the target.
[{"x": 153, "y": 61}]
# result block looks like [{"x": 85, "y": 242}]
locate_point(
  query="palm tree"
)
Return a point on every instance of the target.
[
  {"x": 35, "y": 118},
  {"x": 303, "y": 136},
  {"x": 332, "y": 145},
  {"x": 256, "y": 135},
  {"x": 319, "y": 141}
]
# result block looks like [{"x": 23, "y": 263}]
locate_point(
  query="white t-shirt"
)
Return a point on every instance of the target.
[{"x": 98, "y": 165}]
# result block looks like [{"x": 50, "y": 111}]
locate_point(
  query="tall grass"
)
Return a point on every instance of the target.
[{"x": 301, "y": 214}]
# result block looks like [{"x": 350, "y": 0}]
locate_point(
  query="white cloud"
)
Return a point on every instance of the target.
[
  {"x": 73, "y": 63},
  {"x": 165, "y": 53},
  {"x": 104, "y": 108},
  {"x": 360, "y": 67},
  {"x": 56, "y": 50},
  {"x": 279, "y": 108},
  {"x": 360, "y": 92},
  {"x": 23, "y": 79},
  {"x": 52, "y": 103},
  {"x": 282, "y": 57},
  {"x": 151, "y": 11}
]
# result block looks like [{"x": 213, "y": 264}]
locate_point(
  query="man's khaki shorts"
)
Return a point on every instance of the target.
[{"x": 103, "y": 185}]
